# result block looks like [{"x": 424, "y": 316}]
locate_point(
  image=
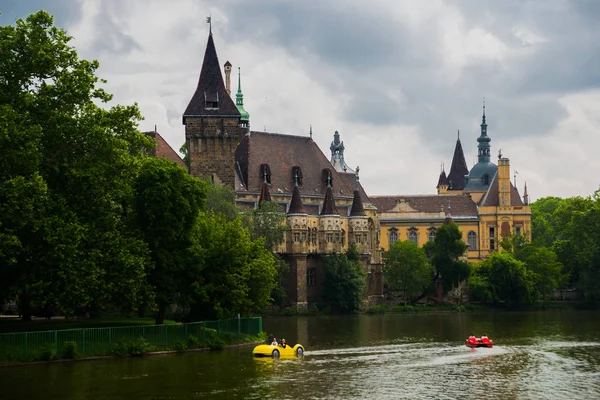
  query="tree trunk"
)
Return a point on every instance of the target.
[{"x": 160, "y": 317}]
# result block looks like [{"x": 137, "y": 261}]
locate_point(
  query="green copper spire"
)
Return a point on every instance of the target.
[{"x": 239, "y": 100}]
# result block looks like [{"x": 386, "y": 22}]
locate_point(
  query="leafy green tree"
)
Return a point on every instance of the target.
[
  {"x": 406, "y": 268},
  {"x": 446, "y": 251},
  {"x": 345, "y": 282},
  {"x": 268, "y": 222},
  {"x": 72, "y": 163},
  {"x": 508, "y": 280},
  {"x": 167, "y": 204},
  {"x": 544, "y": 267},
  {"x": 220, "y": 199},
  {"x": 543, "y": 227},
  {"x": 184, "y": 152},
  {"x": 239, "y": 273}
]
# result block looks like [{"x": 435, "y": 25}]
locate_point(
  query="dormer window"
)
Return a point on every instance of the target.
[
  {"x": 296, "y": 176},
  {"x": 327, "y": 178},
  {"x": 211, "y": 101},
  {"x": 265, "y": 173}
]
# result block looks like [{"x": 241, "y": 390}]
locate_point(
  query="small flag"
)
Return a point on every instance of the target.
[{"x": 208, "y": 20}]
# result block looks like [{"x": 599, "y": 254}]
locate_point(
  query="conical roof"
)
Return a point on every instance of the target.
[
  {"x": 211, "y": 88},
  {"x": 357, "y": 209},
  {"x": 442, "y": 180},
  {"x": 265, "y": 195},
  {"x": 458, "y": 170},
  {"x": 296, "y": 206},
  {"x": 329, "y": 203}
]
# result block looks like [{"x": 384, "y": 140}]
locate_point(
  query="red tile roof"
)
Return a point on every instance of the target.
[{"x": 164, "y": 150}]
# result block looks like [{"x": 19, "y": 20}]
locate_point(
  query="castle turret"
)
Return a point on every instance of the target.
[
  {"x": 337, "y": 154},
  {"x": 482, "y": 173},
  {"x": 212, "y": 124},
  {"x": 442, "y": 185},
  {"x": 525, "y": 195},
  {"x": 504, "y": 182},
  {"x": 239, "y": 102},
  {"x": 297, "y": 222},
  {"x": 358, "y": 223},
  {"x": 330, "y": 230},
  {"x": 227, "y": 69}
]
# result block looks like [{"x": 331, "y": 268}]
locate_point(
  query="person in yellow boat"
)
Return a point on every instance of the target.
[
  {"x": 274, "y": 342},
  {"x": 283, "y": 343}
]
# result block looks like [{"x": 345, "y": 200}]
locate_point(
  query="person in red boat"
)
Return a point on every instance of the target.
[
  {"x": 485, "y": 339},
  {"x": 472, "y": 339}
]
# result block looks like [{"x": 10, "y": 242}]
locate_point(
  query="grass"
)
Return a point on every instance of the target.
[{"x": 10, "y": 325}]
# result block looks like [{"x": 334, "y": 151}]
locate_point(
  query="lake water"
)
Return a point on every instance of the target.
[{"x": 536, "y": 355}]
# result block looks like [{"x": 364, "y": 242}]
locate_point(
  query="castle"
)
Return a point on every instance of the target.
[{"x": 326, "y": 207}]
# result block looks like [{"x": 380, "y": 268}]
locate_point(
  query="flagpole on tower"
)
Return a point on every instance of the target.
[{"x": 208, "y": 21}]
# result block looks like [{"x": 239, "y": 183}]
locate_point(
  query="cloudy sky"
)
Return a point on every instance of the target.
[{"x": 396, "y": 78}]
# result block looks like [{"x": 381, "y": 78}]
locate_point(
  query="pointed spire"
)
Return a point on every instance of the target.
[
  {"x": 483, "y": 146},
  {"x": 210, "y": 97},
  {"x": 310, "y": 132},
  {"x": 329, "y": 207},
  {"x": 296, "y": 206},
  {"x": 357, "y": 209},
  {"x": 525, "y": 195},
  {"x": 443, "y": 180},
  {"x": 239, "y": 99},
  {"x": 458, "y": 169},
  {"x": 265, "y": 195}
]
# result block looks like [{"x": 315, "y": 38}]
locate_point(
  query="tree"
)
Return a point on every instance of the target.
[
  {"x": 406, "y": 268},
  {"x": 167, "y": 204},
  {"x": 445, "y": 256},
  {"x": 71, "y": 167},
  {"x": 345, "y": 282},
  {"x": 508, "y": 280},
  {"x": 267, "y": 221},
  {"x": 239, "y": 273},
  {"x": 544, "y": 267},
  {"x": 220, "y": 199},
  {"x": 184, "y": 152}
]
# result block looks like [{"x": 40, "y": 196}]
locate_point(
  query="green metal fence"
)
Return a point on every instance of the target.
[{"x": 28, "y": 346}]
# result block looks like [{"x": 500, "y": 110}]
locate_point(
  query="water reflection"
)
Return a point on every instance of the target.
[{"x": 536, "y": 355}]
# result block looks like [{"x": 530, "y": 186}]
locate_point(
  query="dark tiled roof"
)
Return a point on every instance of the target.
[
  {"x": 460, "y": 206},
  {"x": 458, "y": 170},
  {"x": 329, "y": 207},
  {"x": 442, "y": 180},
  {"x": 282, "y": 153},
  {"x": 211, "y": 88},
  {"x": 350, "y": 179},
  {"x": 265, "y": 195},
  {"x": 164, "y": 150},
  {"x": 492, "y": 197},
  {"x": 357, "y": 206},
  {"x": 296, "y": 206}
]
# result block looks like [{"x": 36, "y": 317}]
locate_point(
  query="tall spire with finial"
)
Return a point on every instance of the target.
[
  {"x": 239, "y": 99},
  {"x": 310, "y": 132},
  {"x": 483, "y": 146},
  {"x": 525, "y": 195}
]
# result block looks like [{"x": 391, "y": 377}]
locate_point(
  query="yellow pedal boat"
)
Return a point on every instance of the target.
[{"x": 268, "y": 350}]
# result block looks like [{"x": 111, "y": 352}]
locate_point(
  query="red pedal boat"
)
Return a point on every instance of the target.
[{"x": 483, "y": 341}]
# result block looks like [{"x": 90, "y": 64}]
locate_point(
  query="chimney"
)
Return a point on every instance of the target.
[{"x": 228, "y": 77}]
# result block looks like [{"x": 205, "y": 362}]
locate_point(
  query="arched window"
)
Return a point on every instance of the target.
[
  {"x": 265, "y": 173},
  {"x": 393, "y": 236},
  {"x": 486, "y": 179},
  {"x": 472, "y": 240},
  {"x": 413, "y": 236},
  {"x": 296, "y": 176},
  {"x": 314, "y": 236},
  {"x": 343, "y": 239},
  {"x": 431, "y": 234}
]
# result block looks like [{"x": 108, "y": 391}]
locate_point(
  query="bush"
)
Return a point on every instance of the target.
[
  {"x": 180, "y": 347},
  {"x": 69, "y": 350},
  {"x": 215, "y": 342},
  {"x": 193, "y": 341},
  {"x": 137, "y": 347},
  {"x": 289, "y": 311},
  {"x": 313, "y": 309},
  {"x": 376, "y": 309},
  {"x": 47, "y": 354},
  {"x": 404, "y": 309}
]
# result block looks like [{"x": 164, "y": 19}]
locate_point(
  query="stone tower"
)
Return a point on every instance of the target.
[{"x": 212, "y": 124}]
